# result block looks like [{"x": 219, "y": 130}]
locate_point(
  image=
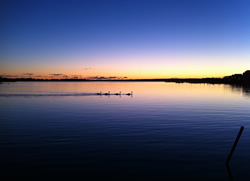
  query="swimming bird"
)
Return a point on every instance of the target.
[
  {"x": 118, "y": 93},
  {"x": 129, "y": 94},
  {"x": 99, "y": 93},
  {"x": 107, "y": 93}
]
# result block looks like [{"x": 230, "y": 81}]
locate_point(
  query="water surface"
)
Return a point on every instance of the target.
[{"x": 164, "y": 131}]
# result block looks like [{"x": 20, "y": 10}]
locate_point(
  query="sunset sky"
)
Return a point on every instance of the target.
[{"x": 124, "y": 38}]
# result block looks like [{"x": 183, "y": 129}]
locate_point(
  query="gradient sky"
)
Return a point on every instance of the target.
[{"x": 124, "y": 38}]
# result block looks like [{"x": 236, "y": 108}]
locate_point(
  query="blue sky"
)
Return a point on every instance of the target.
[{"x": 136, "y": 39}]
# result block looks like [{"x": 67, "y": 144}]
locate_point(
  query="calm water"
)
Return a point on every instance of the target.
[{"x": 165, "y": 131}]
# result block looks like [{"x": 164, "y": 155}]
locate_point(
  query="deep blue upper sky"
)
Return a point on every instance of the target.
[{"x": 87, "y": 33}]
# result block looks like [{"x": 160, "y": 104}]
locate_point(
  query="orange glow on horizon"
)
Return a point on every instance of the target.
[{"x": 132, "y": 67}]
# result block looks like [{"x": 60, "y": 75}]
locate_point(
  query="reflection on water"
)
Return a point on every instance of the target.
[
  {"x": 244, "y": 89},
  {"x": 166, "y": 131}
]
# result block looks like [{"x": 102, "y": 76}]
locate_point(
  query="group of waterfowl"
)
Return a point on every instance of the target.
[{"x": 108, "y": 93}]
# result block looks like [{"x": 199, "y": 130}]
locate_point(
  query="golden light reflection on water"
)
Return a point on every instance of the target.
[{"x": 141, "y": 90}]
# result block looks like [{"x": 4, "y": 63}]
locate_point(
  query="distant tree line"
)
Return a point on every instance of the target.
[
  {"x": 243, "y": 79},
  {"x": 235, "y": 79}
]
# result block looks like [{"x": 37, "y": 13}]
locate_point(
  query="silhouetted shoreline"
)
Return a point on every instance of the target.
[{"x": 235, "y": 79}]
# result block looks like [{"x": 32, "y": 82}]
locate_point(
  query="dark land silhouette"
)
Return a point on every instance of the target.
[{"x": 235, "y": 79}]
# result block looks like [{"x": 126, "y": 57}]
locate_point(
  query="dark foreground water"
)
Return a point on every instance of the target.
[{"x": 165, "y": 131}]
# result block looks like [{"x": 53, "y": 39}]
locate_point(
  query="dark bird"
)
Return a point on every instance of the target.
[
  {"x": 100, "y": 93},
  {"x": 107, "y": 93},
  {"x": 118, "y": 93},
  {"x": 129, "y": 94}
]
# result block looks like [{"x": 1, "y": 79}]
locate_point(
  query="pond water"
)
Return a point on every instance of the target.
[{"x": 163, "y": 131}]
